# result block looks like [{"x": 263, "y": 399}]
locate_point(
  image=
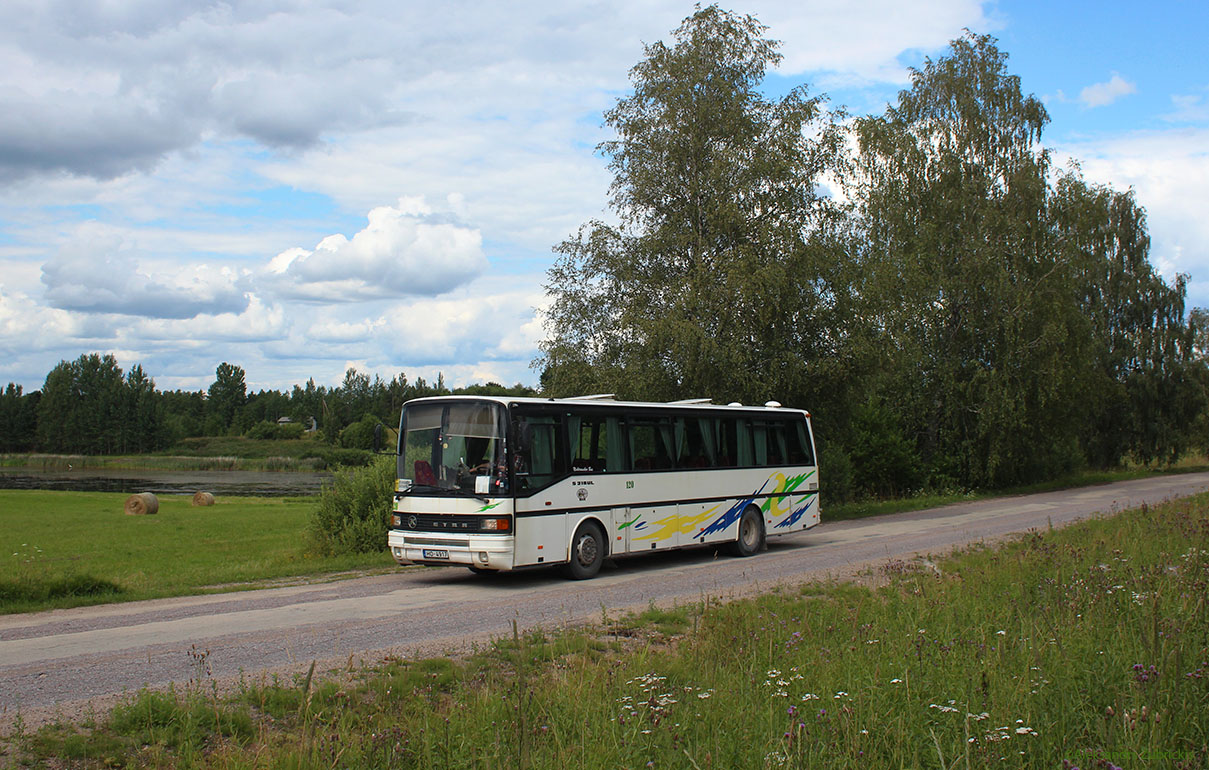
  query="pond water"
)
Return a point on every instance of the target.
[{"x": 217, "y": 483}]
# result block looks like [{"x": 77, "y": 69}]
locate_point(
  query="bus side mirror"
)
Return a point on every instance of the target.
[{"x": 378, "y": 440}]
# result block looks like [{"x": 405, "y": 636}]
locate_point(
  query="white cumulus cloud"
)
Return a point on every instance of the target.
[
  {"x": 97, "y": 272},
  {"x": 404, "y": 250},
  {"x": 1104, "y": 94},
  {"x": 256, "y": 322},
  {"x": 483, "y": 323},
  {"x": 865, "y": 40},
  {"x": 1167, "y": 169},
  {"x": 1189, "y": 108},
  {"x": 25, "y": 324}
]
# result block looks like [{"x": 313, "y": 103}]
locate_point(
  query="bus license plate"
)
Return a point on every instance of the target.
[{"x": 431, "y": 553}]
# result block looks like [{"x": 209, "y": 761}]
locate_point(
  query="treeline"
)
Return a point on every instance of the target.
[
  {"x": 955, "y": 311},
  {"x": 89, "y": 406}
]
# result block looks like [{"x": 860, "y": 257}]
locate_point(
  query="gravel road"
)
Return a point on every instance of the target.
[{"x": 62, "y": 661}]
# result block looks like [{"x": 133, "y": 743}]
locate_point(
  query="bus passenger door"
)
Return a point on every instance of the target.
[{"x": 622, "y": 524}]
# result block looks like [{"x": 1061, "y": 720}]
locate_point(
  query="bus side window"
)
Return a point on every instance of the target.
[
  {"x": 798, "y": 443},
  {"x": 590, "y": 439},
  {"x": 694, "y": 444},
  {"x": 726, "y": 442},
  {"x": 770, "y": 443},
  {"x": 759, "y": 432},
  {"x": 539, "y": 461},
  {"x": 744, "y": 458},
  {"x": 651, "y": 442}
]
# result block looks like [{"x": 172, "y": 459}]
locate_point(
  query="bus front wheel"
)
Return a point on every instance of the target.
[
  {"x": 751, "y": 533},
  {"x": 587, "y": 552}
]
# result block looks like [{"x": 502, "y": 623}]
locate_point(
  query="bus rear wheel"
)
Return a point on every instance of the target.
[
  {"x": 587, "y": 552},
  {"x": 751, "y": 533}
]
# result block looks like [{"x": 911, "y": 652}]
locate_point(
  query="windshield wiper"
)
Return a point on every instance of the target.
[{"x": 431, "y": 488}]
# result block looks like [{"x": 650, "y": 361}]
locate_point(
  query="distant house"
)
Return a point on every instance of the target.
[{"x": 311, "y": 421}]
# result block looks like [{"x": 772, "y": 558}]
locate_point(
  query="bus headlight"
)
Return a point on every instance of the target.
[{"x": 495, "y": 525}]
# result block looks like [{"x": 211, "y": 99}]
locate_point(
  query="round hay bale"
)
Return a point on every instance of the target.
[
  {"x": 142, "y": 504},
  {"x": 202, "y": 499}
]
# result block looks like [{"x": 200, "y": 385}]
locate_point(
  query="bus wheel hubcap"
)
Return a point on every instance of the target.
[{"x": 587, "y": 549}]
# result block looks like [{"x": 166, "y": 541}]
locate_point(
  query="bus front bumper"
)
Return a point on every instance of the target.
[{"x": 479, "y": 551}]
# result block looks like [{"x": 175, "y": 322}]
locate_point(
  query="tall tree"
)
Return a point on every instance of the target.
[
  {"x": 228, "y": 394},
  {"x": 54, "y": 411},
  {"x": 141, "y": 427},
  {"x": 972, "y": 300},
  {"x": 18, "y": 419},
  {"x": 82, "y": 406},
  {"x": 1148, "y": 385},
  {"x": 1025, "y": 329},
  {"x": 184, "y": 414},
  {"x": 266, "y": 406},
  {"x": 306, "y": 403},
  {"x": 355, "y": 396},
  {"x": 717, "y": 280}
]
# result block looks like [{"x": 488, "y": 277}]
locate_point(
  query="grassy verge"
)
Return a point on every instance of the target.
[
  {"x": 858, "y": 509},
  {"x": 61, "y": 549},
  {"x": 1083, "y": 647}
]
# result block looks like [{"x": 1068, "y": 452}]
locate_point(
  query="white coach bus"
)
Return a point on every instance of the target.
[{"x": 506, "y": 483}]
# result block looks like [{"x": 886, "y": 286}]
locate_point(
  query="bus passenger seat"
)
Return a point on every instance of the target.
[{"x": 424, "y": 474}]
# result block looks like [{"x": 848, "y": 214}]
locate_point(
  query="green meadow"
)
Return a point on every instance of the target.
[
  {"x": 62, "y": 549},
  {"x": 1082, "y": 647}
]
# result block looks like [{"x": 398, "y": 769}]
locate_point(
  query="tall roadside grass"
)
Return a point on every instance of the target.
[{"x": 1083, "y": 647}]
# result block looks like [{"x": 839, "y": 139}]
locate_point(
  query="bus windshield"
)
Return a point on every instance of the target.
[{"x": 453, "y": 448}]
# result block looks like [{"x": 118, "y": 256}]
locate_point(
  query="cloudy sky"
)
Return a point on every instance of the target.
[{"x": 297, "y": 187}]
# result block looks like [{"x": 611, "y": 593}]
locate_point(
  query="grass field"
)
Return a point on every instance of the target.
[
  {"x": 61, "y": 549},
  {"x": 1083, "y": 647}
]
